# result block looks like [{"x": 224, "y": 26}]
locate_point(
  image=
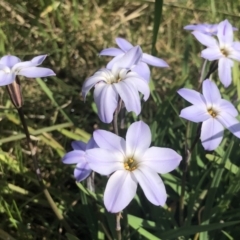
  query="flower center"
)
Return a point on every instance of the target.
[
  {"x": 212, "y": 112},
  {"x": 130, "y": 164},
  {"x": 224, "y": 51}
]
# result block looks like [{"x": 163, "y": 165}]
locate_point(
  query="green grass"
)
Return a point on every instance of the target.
[{"x": 72, "y": 33}]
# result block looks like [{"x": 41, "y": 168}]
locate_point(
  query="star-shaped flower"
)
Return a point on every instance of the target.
[
  {"x": 225, "y": 50},
  {"x": 10, "y": 66},
  {"x": 78, "y": 156},
  {"x": 131, "y": 162},
  {"x": 119, "y": 82},
  {"x": 214, "y": 112},
  {"x": 141, "y": 68}
]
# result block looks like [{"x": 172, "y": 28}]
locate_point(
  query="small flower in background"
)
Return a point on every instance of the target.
[
  {"x": 209, "y": 29},
  {"x": 121, "y": 82},
  {"x": 215, "y": 113},
  {"x": 224, "y": 50},
  {"x": 131, "y": 162},
  {"x": 141, "y": 68},
  {"x": 11, "y": 66},
  {"x": 78, "y": 156}
]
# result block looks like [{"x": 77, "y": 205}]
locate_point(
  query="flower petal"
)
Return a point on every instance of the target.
[
  {"x": 204, "y": 39},
  {"x": 161, "y": 160},
  {"x": 129, "y": 59},
  {"x": 192, "y": 96},
  {"x": 225, "y": 33},
  {"x": 230, "y": 122},
  {"x": 154, "y": 61},
  {"x": 235, "y": 54},
  {"x": 211, "y": 134},
  {"x": 6, "y": 78},
  {"x": 195, "y": 114},
  {"x": 82, "y": 171},
  {"x": 210, "y": 92},
  {"x": 142, "y": 70},
  {"x": 152, "y": 185},
  {"x": 74, "y": 156},
  {"x": 104, "y": 161},
  {"x": 38, "y": 60},
  {"x": 120, "y": 190},
  {"x": 106, "y": 99},
  {"x": 79, "y": 145},
  {"x": 138, "y": 139},
  {"x": 130, "y": 96},
  {"x": 140, "y": 84},
  {"x": 9, "y": 60},
  {"x": 228, "y": 107},
  {"x": 109, "y": 141},
  {"x": 92, "y": 81},
  {"x": 35, "y": 72},
  {"x": 91, "y": 144},
  {"x": 111, "y": 52},
  {"x": 114, "y": 60},
  {"x": 123, "y": 44},
  {"x": 224, "y": 71},
  {"x": 212, "y": 53}
]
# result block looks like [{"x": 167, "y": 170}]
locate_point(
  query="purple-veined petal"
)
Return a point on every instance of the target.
[
  {"x": 82, "y": 171},
  {"x": 79, "y": 145},
  {"x": 35, "y": 72},
  {"x": 138, "y": 139},
  {"x": 140, "y": 84},
  {"x": 211, "y": 134},
  {"x": 9, "y": 60},
  {"x": 111, "y": 52},
  {"x": 153, "y": 61},
  {"x": 123, "y": 44},
  {"x": 234, "y": 54},
  {"x": 106, "y": 99},
  {"x": 226, "y": 106},
  {"x": 74, "y": 156},
  {"x": 6, "y": 78},
  {"x": 225, "y": 33},
  {"x": 129, "y": 59},
  {"x": 130, "y": 96},
  {"x": 195, "y": 114},
  {"x": 224, "y": 71},
  {"x": 230, "y": 122},
  {"x": 114, "y": 60},
  {"x": 210, "y": 92},
  {"x": 193, "y": 97},
  {"x": 109, "y": 141},
  {"x": 236, "y": 46},
  {"x": 204, "y": 39},
  {"x": 120, "y": 190},
  {"x": 104, "y": 161},
  {"x": 142, "y": 70},
  {"x": 211, "y": 53},
  {"x": 91, "y": 144},
  {"x": 152, "y": 185},
  {"x": 38, "y": 60},
  {"x": 161, "y": 160},
  {"x": 92, "y": 81}
]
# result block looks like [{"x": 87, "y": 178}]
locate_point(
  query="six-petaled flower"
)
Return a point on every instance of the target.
[
  {"x": 131, "y": 162},
  {"x": 215, "y": 113}
]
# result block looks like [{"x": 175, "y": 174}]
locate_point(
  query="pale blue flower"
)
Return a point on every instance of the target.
[
  {"x": 118, "y": 82},
  {"x": 225, "y": 50},
  {"x": 131, "y": 162},
  {"x": 78, "y": 156},
  {"x": 11, "y": 66},
  {"x": 141, "y": 68},
  {"x": 214, "y": 112}
]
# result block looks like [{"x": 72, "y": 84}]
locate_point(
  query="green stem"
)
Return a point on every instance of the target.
[{"x": 39, "y": 175}]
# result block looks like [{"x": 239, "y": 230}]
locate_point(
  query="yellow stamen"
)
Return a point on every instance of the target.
[
  {"x": 130, "y": 164},
  {"x": 212, "y": 112}
]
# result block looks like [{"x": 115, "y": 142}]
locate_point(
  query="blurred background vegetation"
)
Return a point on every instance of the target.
[{"x": 72, "y": 33}]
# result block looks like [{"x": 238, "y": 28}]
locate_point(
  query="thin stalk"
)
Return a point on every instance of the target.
[
  {"x": 186, "y": 161},
  {"x": 38, "y": 173},
  {"x": 115, "y": 129}
]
